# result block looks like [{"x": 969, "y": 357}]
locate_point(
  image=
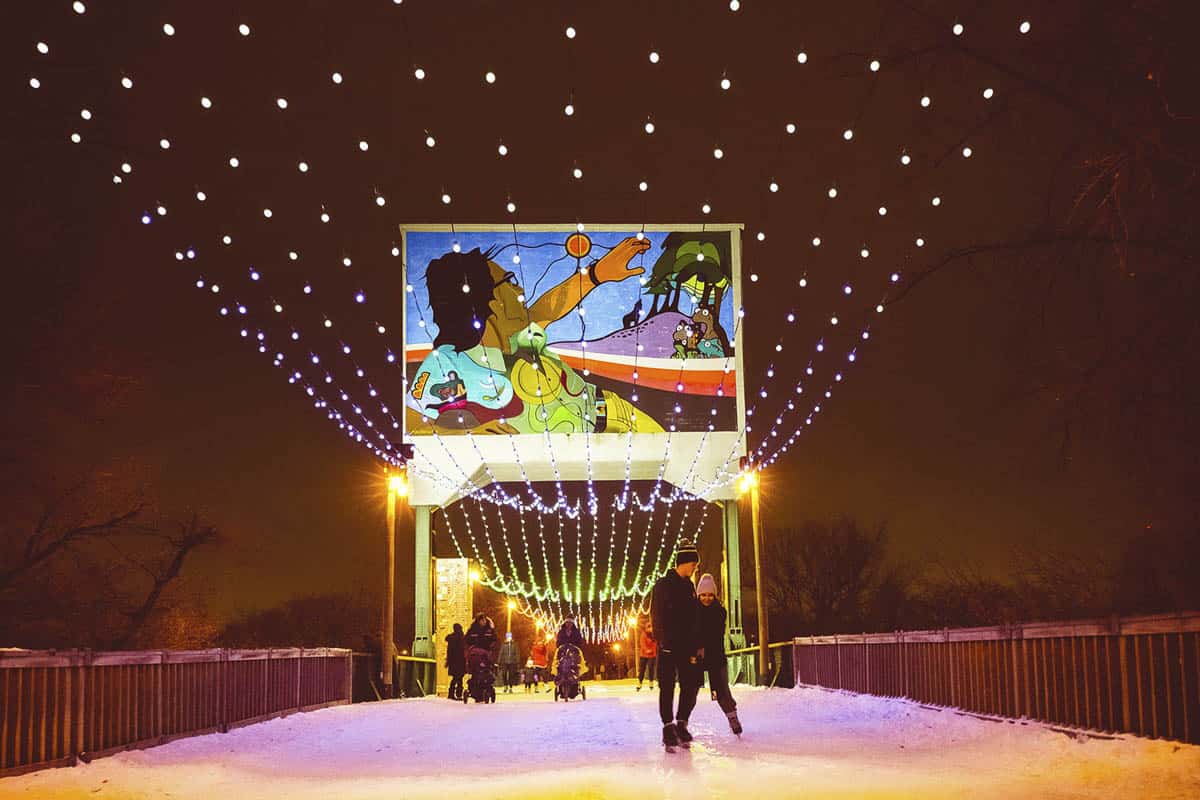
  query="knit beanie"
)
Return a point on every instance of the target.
[
  {"x": 685, "y": 552},
  {"x": 706, "y": 585}
]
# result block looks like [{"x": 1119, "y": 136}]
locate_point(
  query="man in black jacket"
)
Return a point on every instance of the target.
[{"x": 673, "y": 613}]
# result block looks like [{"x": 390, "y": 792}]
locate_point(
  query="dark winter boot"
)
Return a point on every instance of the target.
[
  {"x": 685, "y": 736},
  {"x": 670, "y": 737},
  {"x": 734, "y": 724}
]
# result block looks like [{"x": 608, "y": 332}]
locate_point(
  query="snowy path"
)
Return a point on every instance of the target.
[{"x": 802, "y": 742}]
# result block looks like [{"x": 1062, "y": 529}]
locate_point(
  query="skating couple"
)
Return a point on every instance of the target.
[{"x": 690, "y": 630}]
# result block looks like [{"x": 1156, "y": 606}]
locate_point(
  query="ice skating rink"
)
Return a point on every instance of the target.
[{"x": 798, "y": 743}]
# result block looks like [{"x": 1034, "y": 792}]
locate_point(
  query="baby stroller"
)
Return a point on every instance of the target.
[
  {"x": 568, "y": 662},
  {"x": 482, "y": 683}
]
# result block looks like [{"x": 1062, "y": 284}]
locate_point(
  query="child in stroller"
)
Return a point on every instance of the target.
[
  {"x": 568, "y": 666},
  {"x": 481, "y": 641},
  {"x": 568, "y": 662}
]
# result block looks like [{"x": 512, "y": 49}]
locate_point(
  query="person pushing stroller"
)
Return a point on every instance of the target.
[{"x": 481, "y": 646}]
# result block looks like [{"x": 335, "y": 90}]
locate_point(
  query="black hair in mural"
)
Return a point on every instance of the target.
[{"x": 454, "y": 311}]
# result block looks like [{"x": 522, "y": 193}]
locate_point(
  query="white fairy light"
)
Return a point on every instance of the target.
[
  {"x": 79, "y": 7},
  {"x": 577, "y": 173},
  {"x": 419, "y": 74},
  {"x": 168, "y": 29},
  {"x": 34, "y": 83},
  {"x": 848, "y": 134},
  {"x": 165, "y": 144},
  {"x": 127, "y": 82},
  {"x": 833, "y": 192},
  {"x": 905, "y": 159},
  {"x": 430, "y": 141},
  {"x": 234, "y": 162},
  {"x": 761, "y": 236},
  {"x": 502, "y": 149},
  {"x": 324, "y": 217},
  {"x": 281, "y": 102},
  {"x": 790, "y": 128},
  {"x": 570, "y": 32},
  {"x": 1025, "y": 26},
  {"x": 126, "y": 168},
  {"x": 445, "y": 199},
  {"x": 85, "y": 114},
  {"x": 205, "y": 102},
  {"x": 336, "y": 77},
  {"x": 649, "y": 126},
  {"x": 734, "y": 5},
  {"x": 643, "y": 186},
  {"x": 966, "y": 151},
  {"x": 43, "y": 48},
  {"x": 654, "y": 57},
  {"x": 920, "y": 242},
  {"x": 725, "y": 84},
  {"x": 512, "y": 207},
  {"x": 201, "y": 196},
  {"x": 874, "y": 66},
  {"x": 363, "y": 146},
  {"x": 773, "y": 187},
  {"x": 268, "y": 213},
  {"x": 816, "y": 242},
  {"x": 706, "y": 208},
  {"x": 988, "y": 93},
  {"x": 937, "y": 201},
  {"x": 718, "y": 153},
  {"x": 864, "y": 252},
  {"x": 883, "y": 211},
  {"x": 380, "y": 200},
  {"x": 802, "y": 57},
  {"x": 302, "y": 166},
  {"x": 244, "y": 29},
  {"x": 958, "y": 29},
  {"x": 489, "y": 77},
  {"x": 925, "y": 101},
  {"x": 569, "y": 109}
]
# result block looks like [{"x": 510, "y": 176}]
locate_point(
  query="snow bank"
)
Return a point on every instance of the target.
[{"x": 802, "y": 742}]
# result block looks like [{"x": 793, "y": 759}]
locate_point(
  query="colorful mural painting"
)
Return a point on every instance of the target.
[{"x": 603, "y": 331}]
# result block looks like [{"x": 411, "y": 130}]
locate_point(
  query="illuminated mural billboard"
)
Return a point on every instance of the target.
[{"x": 609, "y": 330}]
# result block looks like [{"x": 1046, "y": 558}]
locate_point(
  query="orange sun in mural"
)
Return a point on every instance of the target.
[{"x": 578, "y": 245}]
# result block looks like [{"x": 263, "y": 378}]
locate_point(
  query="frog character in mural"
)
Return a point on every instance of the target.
[{"x": 495, "y": 346}]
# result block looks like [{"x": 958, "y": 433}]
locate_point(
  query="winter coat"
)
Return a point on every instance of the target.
[
  {"x": 456, "y": 655},
  {"x": 673, "y": 614},
  {"x": 538, "y": 654},
  {"x": 711, "y": 630},
  {"x": 569, "y": 634},
  {"x": 481, "y": 635},
  {"x": 647, "y": 645},
  {"x": 508, "y": 655}
]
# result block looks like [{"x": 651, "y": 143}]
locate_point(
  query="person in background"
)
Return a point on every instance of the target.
[
  {"x": 673, "y": 614},
  {"x": 647, "y": 653},
  {"x": 456, "y": 662},
  {"x": 509, "y": 662},
  {"x": 711, "y": 629},
  {"x": 538, "y": 655},
  {"x": 530, "y": 676}
]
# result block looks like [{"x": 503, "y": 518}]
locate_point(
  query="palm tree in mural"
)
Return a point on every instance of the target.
[{"x": 698, "y": 264}]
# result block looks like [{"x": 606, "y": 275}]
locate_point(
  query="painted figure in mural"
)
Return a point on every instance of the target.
[
  {"x": 633, "y": 317},
  {"x": 708, "y": 344},
  {"x": 490, "y": 370}
]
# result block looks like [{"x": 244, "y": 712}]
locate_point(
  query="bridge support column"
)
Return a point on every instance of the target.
[
  {"x": 423, "y": 583},
  {"x": 731, "y": 583}
]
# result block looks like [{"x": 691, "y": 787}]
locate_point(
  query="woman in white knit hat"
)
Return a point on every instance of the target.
[{"x": 711, "y": 626}]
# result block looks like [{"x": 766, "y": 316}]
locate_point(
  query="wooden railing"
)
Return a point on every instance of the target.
[
  {"x": 57, "y": 707},
  {"x": 1132, "y": 674}
]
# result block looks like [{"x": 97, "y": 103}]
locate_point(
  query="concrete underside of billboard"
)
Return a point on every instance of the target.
[{"x": 444, "y": 468}]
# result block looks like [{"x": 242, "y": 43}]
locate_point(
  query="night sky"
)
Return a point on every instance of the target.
[{"x": 945, "y": 428}]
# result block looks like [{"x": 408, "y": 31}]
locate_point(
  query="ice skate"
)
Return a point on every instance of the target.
[
  {"x": 735, "y": 725},
  {"x": 684, "y": 735},
  {"x": 670, "y": 737}
]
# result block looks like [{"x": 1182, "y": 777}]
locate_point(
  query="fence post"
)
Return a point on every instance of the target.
[
  {"x": 299, "y": 672},
  {"x": 867, "y": 656},
  {"x": 837, "y": 646},
  {"x": 223, "y": 669}
]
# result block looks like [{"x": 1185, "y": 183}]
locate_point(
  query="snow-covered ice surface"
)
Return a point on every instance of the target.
[{"x": 798, "y": 743}]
